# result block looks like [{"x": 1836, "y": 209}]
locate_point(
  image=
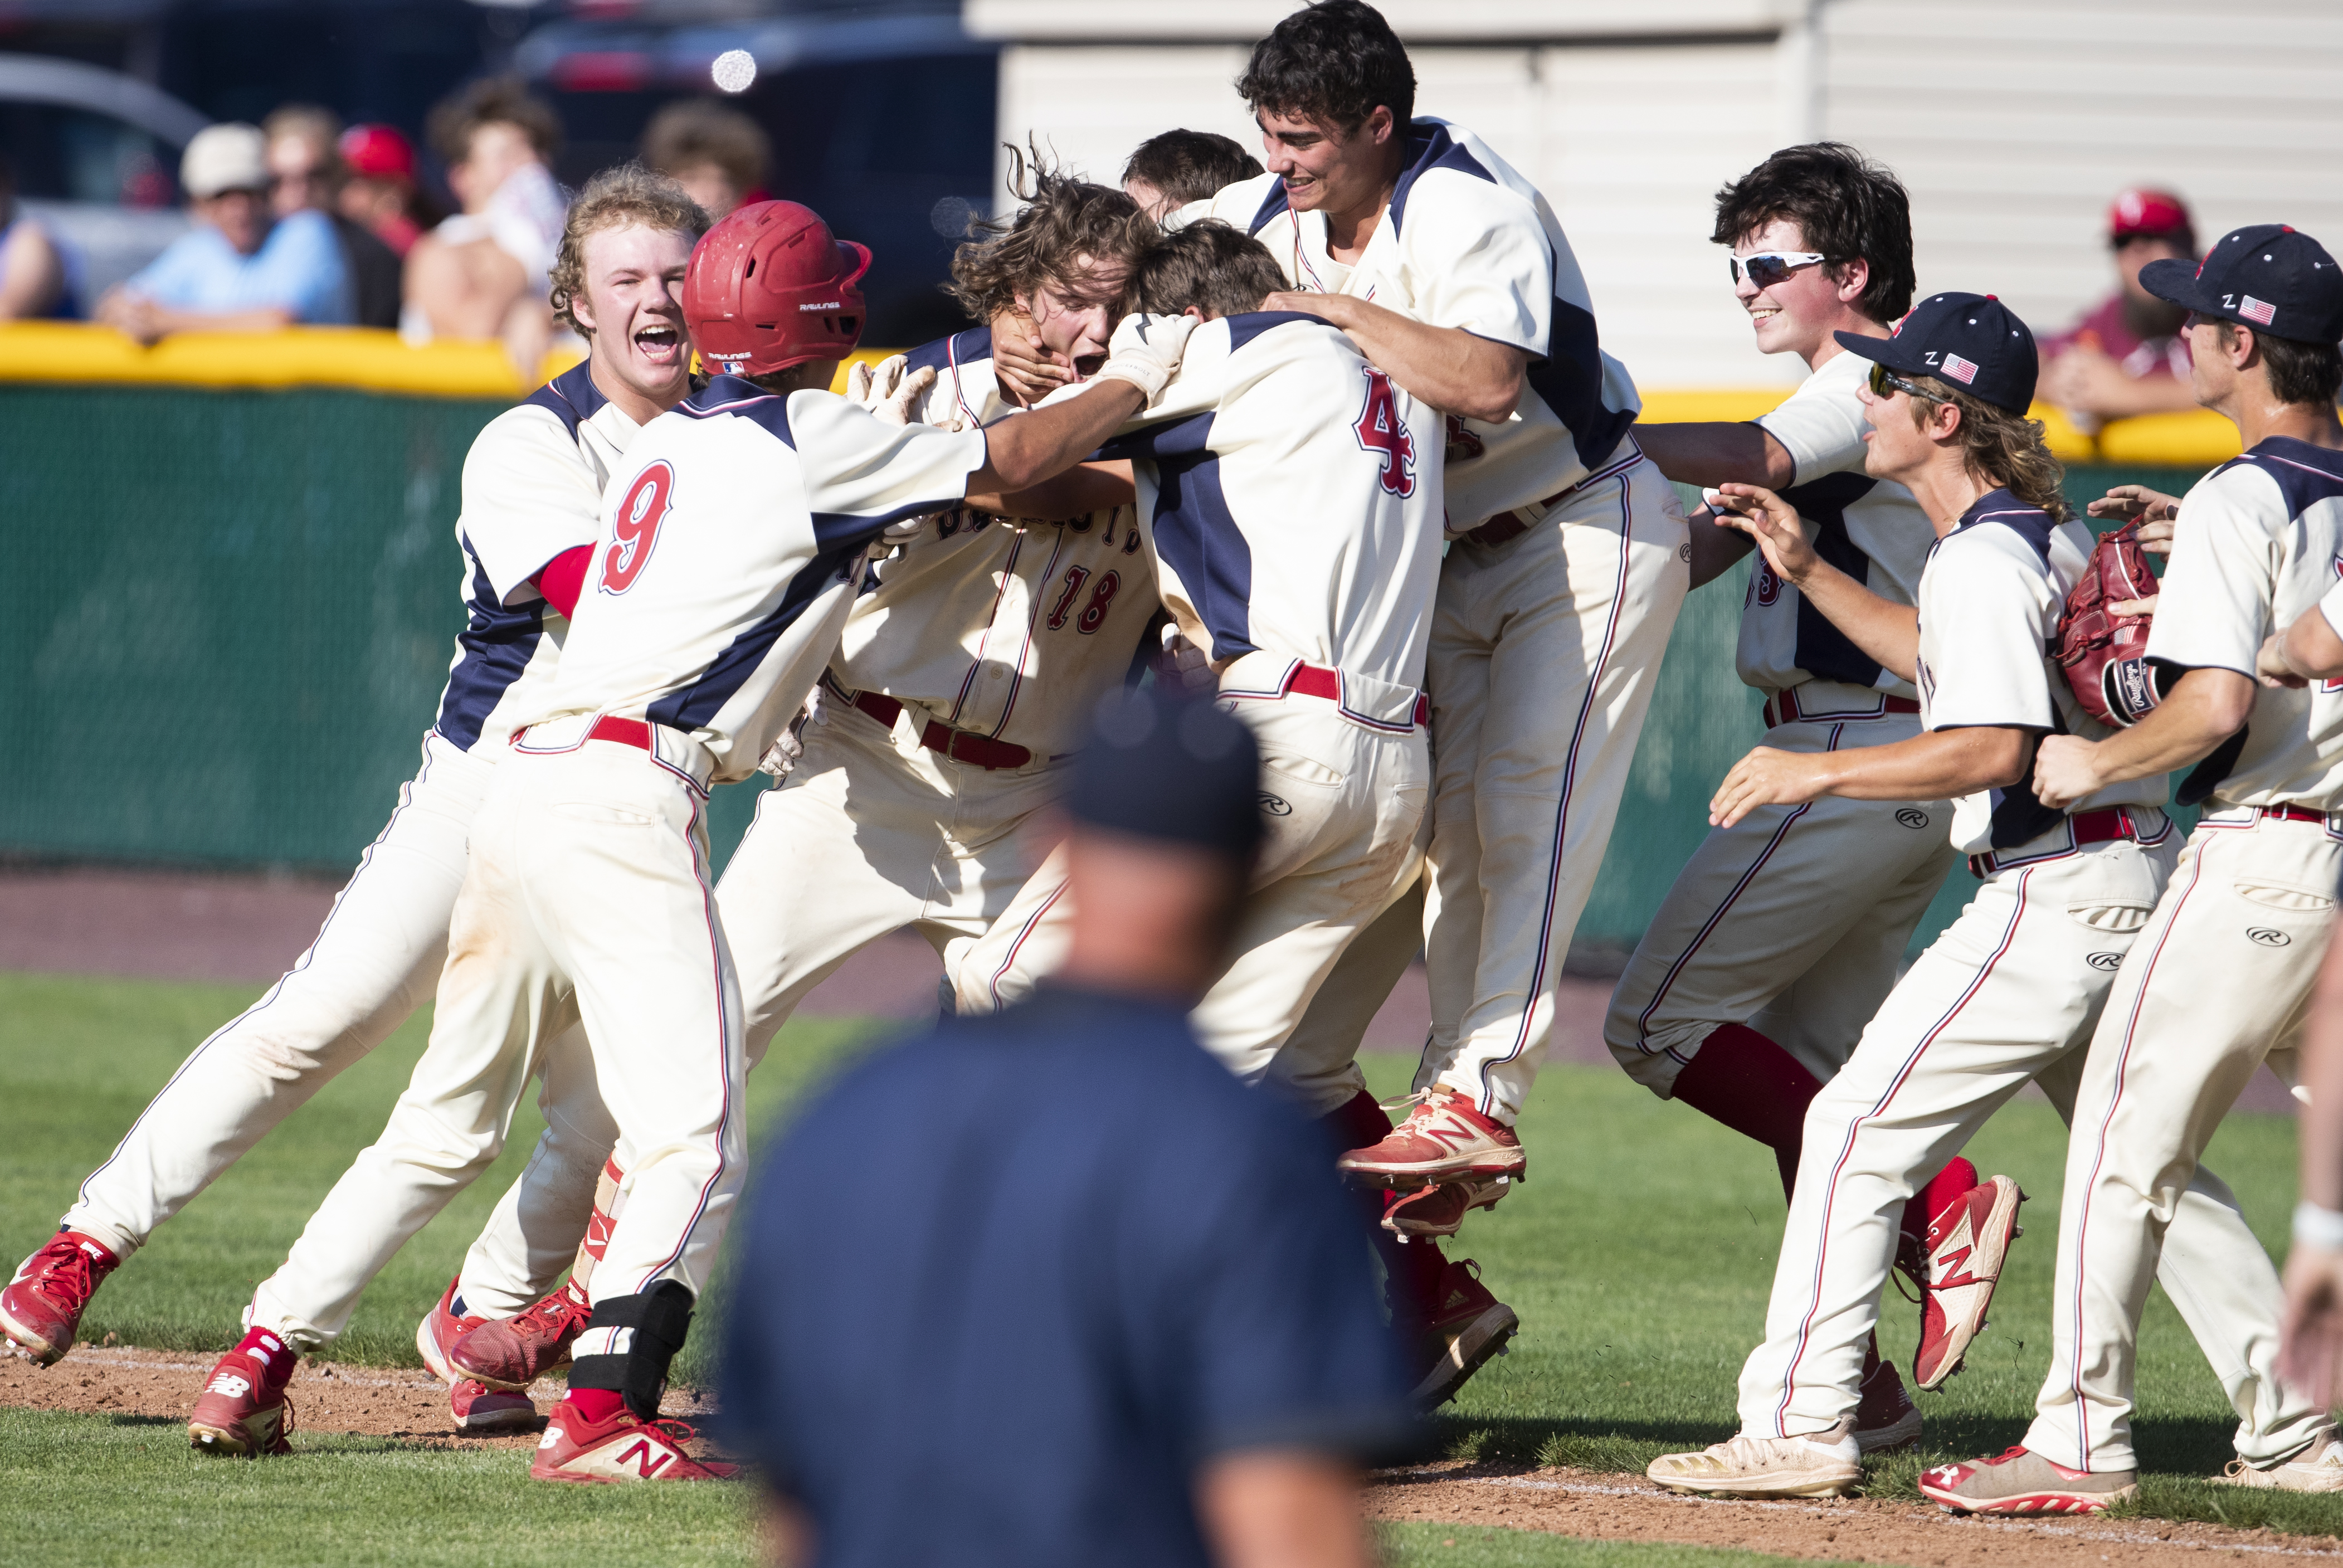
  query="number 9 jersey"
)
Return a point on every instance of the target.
[{"x": 730, "y": 544}]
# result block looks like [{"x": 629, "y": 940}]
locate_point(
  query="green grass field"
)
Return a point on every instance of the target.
[{"x": 1639, "y": 1256}]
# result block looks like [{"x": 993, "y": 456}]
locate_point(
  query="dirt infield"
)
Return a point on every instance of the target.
[
  {"x": 1626, "y": 1508},
  {"x": 328, "y": 1397},
  {"x": 412, "y": 1407}
]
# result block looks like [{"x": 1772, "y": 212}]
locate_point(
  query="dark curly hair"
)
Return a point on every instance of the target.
[
  {"x": 1334, "y": 62},
  {"x": 1063, "y": 218},
  {"x": 1220, "y": 270},
  {"x": 1845, "y": 203}
]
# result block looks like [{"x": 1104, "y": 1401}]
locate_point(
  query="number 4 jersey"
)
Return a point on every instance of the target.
[
  {"x": 1293, "y": 495},
  {"x": 731, "y": 542}
]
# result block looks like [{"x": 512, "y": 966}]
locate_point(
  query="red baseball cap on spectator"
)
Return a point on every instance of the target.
[
  {"x": 2150, "y": 214},
  {"x": 378, "y": 152}
]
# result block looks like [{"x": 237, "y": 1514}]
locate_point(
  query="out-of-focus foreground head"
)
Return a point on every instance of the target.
[
  {"x": 770, "y": 287},
  {"x": 1166, "y": 823}
]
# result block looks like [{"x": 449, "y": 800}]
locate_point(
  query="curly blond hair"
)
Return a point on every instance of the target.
[{"x": 627, "y": 196}]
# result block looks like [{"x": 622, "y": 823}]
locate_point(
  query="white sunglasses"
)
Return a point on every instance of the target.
[{"x": 1768, "y": 267}]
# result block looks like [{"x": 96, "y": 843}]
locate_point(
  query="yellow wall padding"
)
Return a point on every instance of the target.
[{"x": 375, "y": 361}]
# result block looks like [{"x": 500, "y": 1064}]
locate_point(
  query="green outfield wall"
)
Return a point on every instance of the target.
[{"x": 228, "y": 615}]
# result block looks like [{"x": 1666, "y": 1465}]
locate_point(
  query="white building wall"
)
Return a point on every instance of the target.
[{"x": 2011, "y": 123}]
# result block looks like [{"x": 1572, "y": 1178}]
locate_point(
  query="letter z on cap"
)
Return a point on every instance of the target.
[
  {"x": 2268, "y": 277},
  {"x": 1971, "y": 340}
]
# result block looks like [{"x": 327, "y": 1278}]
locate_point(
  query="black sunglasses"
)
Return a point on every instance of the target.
[{"x": 1883, "y": 380}]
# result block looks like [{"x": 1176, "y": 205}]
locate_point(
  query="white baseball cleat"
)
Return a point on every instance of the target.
[
  {"x": 1826, "y": 1464},
  {"x": 2319, "y": 1468}
]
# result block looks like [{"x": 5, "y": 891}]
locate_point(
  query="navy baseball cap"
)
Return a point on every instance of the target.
[
  {"x": 1174, "y": 768},
  {"x": 1971, "y": 340},
  {"x": 2268, "y": 278}
]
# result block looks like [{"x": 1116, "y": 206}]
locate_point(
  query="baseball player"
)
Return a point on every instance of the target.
[
  {"x": 1785, "y": 930},
  {"x": 1561, "y": 586},
  {"x": 532, "y": 489},
  {"x": 728, "y": 558},
  {"x": 942, "y": 723},
  {"x": 1296, "y": 516},
  {"x": 2219, "y": 978},
  {"x": 2009, "y": 994}
]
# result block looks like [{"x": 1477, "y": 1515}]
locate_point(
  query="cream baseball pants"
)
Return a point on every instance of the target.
[
  {"x": 374, "y": 962},
  {"x": 1341, "y": 804},
  {"x": 1795, "y": 920},
  {"x": 587, "y": 896},
  {"x": 1546, "y": 651},
  {"x": 2218, "y": 981},
  {"x": 2009, "y": 994}
]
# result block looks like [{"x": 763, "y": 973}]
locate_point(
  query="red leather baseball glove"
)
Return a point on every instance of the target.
[{"x": 2101, "y": 651}]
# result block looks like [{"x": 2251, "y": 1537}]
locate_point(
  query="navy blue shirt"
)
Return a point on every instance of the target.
[{"x": 1004, "y": 1287}]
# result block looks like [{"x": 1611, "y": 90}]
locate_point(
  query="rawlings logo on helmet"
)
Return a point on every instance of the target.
[{"x": 769, "y": 287}]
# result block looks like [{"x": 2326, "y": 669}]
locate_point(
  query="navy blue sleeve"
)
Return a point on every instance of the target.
[
  {"x": 1284, "y": 1342},
  {"x": 753, "y": 1409}
]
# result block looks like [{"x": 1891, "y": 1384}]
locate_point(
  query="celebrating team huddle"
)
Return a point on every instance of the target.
[{"x": 1334, "y": 444}]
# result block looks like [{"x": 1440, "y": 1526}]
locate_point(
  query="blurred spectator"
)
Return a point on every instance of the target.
[
  {"x": 2127, "y": 356},
  {"x": 32, "y": 268},
  {"x": 1171, "y": 170},
  {"x": 716, "y": 155},
  {"x": 306, "y": 174},
  {"x": 381, "y": 190},
  {"x": 239, "y": 268},
  {"x": 1097, "y": 1302},
  {"x": 482, "y": 274}
]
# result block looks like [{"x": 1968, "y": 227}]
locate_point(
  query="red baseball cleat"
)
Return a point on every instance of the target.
[
  {"x": 1470, "y": 1326},
  {"x": 1885, "y": 1417},
  {"x": 440, "y": 1329},
  {"x": 477, "y": 1407},
  {"x": 1440, "y": 1209},
  {"x": 40, "y": 1311},
  {"x": 510, "y": 1353},
  {"x": 1444, "y": 1138},
  {"x": 2020, "y": 1481},
  {"x": 622, "y": 1448},
  {"x": 240, "y": 1415},
  {"x": 1967, "y": 1243}
]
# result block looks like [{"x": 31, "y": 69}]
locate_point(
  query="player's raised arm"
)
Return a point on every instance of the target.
[
  {"x": 1884, "y": 629},
  {"x": 1022, "y": 452}
]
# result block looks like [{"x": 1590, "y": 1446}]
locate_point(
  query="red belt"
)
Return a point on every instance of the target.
[
  {"x": 1781, "y": 708},
  {"x": 2293, "y": 814},
  {"x": 2104, "y": 826},
  {"x": 1317, "y": 680},
  {"x": 631, "y": 732},
  {"x": 959, "y": 745}
]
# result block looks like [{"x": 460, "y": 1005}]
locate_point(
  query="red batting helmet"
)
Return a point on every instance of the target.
[{"x": 768, "y": 288}]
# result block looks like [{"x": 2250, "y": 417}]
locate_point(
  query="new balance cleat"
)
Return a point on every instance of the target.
[
  {"x": 240, "y": 1413},
  {"x": 41, "y": 1308},
  {"x": 1967, "y": 1244},
  {"x": 1826, "y": 1464},
  {"x": 1444, "y": 1138},
  {"x": 2020, "y": 1481},
  {"x": 1440, "y": 1209},
  {"x": 476, "y": 1407},
  {"x": 1469, "y": 1328},
  {"x": 510, "y": 1353},
  {"x": 2319, "y": 1468},
  {"x": 623, "y": 1448}
]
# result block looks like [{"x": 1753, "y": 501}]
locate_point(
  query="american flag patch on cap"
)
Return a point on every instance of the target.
[
  {"x": 1959, "y": 370},
  {"x": 2260, "y": 310}
]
